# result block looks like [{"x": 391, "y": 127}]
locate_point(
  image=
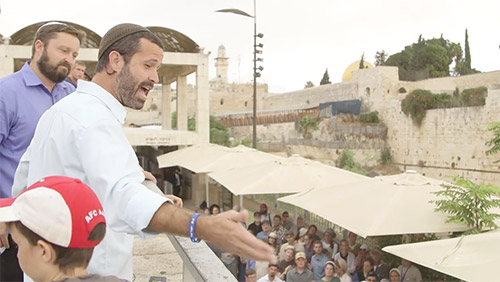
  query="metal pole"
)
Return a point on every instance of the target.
[{"x": 254, "y": 124}]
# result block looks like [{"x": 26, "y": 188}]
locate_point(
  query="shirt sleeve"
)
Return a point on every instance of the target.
[
  {"x": 113, "y": 171},
  {"x": 6, "y": 115},
  {"x": 21, "y": 175}
]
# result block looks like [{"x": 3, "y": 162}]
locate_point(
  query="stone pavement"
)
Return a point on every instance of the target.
[{"x": 156, "y": 257}]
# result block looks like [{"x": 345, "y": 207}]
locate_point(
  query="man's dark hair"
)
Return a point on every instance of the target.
[
  {"x": 277, "y": 216},
  {"x": 66, "y": 258},
  {"x": 317, "y": 242},
  {"x": 249, "y": 272},
  {"x": 127, "y": 47},
  {"x": 49, "y": 31},
  {"x": 256, "y": 214},
  {"x": 371, "y": 274},
  {"x": 370, "y": 260}
]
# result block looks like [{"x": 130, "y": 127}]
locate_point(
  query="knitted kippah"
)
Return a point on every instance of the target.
[{"x": 116, "y": 33}]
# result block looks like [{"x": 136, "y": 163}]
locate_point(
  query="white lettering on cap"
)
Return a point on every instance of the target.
[{"x": 92, "y": 214}]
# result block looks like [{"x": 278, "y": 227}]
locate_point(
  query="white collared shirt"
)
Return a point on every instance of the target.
[{"x": 82, "y": 137}]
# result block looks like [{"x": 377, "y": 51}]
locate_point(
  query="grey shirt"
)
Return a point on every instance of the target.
[{"x": 294, "y": 276}]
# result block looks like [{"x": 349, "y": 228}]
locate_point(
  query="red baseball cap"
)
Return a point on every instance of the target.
[{"x": 59, "y": 209}]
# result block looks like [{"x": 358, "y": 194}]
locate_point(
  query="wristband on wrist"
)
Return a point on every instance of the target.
[{"x": 192, "y": 223}]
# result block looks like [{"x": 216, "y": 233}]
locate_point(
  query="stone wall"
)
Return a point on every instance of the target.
[{"x": 449, "y": 141}]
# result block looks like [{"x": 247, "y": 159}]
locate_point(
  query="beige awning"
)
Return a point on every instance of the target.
[
  {"x": 285, "y": 175},
  {"x": 385, "y": 205},
  {"x": 471, "y": 257}
]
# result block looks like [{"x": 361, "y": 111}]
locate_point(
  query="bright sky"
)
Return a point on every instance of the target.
[{"x": 301, "y": 37}]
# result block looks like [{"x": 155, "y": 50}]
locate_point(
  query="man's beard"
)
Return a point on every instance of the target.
[
  {"x": 127, "y": 88},
  {"x": 52, "y": 72}
]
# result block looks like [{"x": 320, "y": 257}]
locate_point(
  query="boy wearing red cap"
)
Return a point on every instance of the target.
[{"x": 56, "y": 223}]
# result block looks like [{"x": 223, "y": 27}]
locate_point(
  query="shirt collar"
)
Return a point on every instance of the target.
[
  {"x": 107, "y": 98},
  {"x": 31, "y": 79}
]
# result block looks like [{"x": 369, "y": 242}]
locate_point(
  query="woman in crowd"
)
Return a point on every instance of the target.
[
  {"x": 308, "y": 247},
  {"x": 312, "y": 233},
  {"x": 341, "y": 270},
  {"x": 214, "y": 209},
  {"x": 273, "y": 242},
  {"x": 330, "y": 247},
  {"x": 330, "y": 272},
  {"x": 395, "y": 275}
]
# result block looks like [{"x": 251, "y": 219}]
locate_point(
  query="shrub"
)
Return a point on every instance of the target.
[
  {"x": 385, "y": 156},
  {"x": 371, "y": 117},
  {"x": 306, "y": 125},
  {"x": 474, "y": 96}
]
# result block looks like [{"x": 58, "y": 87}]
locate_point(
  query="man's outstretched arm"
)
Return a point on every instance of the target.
[{"x": 224, "y": 230}]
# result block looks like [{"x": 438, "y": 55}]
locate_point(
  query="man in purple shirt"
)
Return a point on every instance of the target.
[{"x": 24, "y": 96}]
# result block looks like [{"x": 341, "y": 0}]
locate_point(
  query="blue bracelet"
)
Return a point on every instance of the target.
[{"x": 192, "y": 222}]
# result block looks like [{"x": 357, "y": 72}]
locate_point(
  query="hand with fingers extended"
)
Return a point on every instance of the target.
[
  {"x": 4, "y": 232},
  {"x": 226, "y": 231},
  {"x": 176, "y": 200}
]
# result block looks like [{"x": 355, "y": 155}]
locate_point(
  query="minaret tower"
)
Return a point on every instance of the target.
[{"x": 221, "y": 64}]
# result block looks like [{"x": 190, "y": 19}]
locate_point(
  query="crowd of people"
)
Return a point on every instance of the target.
[{"x": 304, "y": 255}]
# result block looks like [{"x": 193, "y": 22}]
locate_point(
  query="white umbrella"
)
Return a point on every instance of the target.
[
  {"x": 285, "y": 175},
  {"x": 471, "y": 257},
  {"x": 204, "y": 158},
  {"x": 380, "y": 206}
]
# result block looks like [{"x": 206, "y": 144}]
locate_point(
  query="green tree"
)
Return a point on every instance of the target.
[
  {"x": 468, "y": 203},
  {"x": 467, "y": 52},
  {"x": 325, "y": 79},
  {"x": 426, "y": 59},
  {"x": 306, "y": 125},
  {"x": 191, "y": 122},
  {"x": 362, "y": 62},
  {"x": 495, "y": 141},
  {"x": 380, "y": 58},
  {"x": 218, "y": 132},
  {"x": 309, "y": 84}
]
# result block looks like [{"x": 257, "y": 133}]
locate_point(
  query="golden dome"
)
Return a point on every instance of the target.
[{"x": 352, "y": 67}]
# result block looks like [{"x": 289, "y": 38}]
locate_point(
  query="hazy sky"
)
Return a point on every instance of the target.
[{"x": 302, "y": 37}]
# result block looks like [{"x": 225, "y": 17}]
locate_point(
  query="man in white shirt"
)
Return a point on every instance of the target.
[
  {"x": 82, "y": 137},
  {"x": 271, "y": 276}
]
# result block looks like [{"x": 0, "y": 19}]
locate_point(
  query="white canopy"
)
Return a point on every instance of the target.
[
  {"x": 384, "y": 205},
  {"x": 471, "y": 257}
]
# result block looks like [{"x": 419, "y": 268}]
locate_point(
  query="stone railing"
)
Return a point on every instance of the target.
[{"x": 199, "y": 262}]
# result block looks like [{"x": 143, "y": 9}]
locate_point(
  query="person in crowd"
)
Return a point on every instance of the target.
[
  {"x": 330, "y": 272},
  {"x": 250, "y": 275},
  {"x": 353, "y": 244},
  {"x": 395, "y": 275},
  {"x": 301, "y": 223},
  {"x": 255, "y": 226},
  {"x": 363, "y": 253},
  {"x": 300, "y": 273},
  {"x": 345, "y": 254},
  {"x": 409, "y": 272},
  {"x": 24, "y": 96},
  {"x": 300, "y": 236},
  {"x": 272, "y": 240},
  {"x": 341, "y": 270},
  {"x": 371, "y": 277},
  {"x": 76, "y": 73},
  {"x": 230, "y": 261},
  {"x": 308, "y": 247},
  {"x": 82, "y": 137},
  {"x": 287, "y": 262},
  {"x": 330, "y": 247},
  {"x": 272, "y": 274},
  {"x": 55, "y": 230},
  {"x": 318, "y": 260},
  {"x": 178, "y": 183},
  {"x": 214, "y": 209},
  {"x": 380, "y": 267},
  {"x": 367, "y": 267},
  {"x": 312, "y": 230},
  {"x": 290, "y": 242},
  {"x": 265, "y": 214},
  {"x": 87, "y": 76},
  {"x": 278, "y": 228},
  {"x": 266, "y": 230},
  {"x": 286, "y": 222}
]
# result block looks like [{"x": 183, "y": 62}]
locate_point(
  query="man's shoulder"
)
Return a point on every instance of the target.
[{"x": 11, "y": 83}]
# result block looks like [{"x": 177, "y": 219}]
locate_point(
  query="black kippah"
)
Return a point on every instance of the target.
[{"x": 116, "y": 33}]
